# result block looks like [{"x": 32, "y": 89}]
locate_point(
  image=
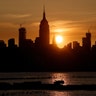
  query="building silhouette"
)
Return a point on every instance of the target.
[
  {"x": 22, "y": 36},
  {"x": 2, "y": 44},
  {"x": 76, "y": 45},
  {"x": 54, "y": 41},
  {"x": 44, "y": 31},
  {"x": 42, "y": 56},
  {"x": 86, "y": 41},
  {"x": 11, "y": 43}
]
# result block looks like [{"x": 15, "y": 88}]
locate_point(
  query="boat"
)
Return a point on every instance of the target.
[{"x": 59, "y": 82}]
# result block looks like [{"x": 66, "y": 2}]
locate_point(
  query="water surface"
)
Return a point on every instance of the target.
[{"x": 49, "y": 77}]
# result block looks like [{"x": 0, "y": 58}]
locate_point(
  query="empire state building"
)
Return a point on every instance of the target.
[{"x": 44, "y": 31}]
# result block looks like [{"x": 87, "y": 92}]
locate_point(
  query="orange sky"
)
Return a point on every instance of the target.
[{"x": 72, "y": 17}]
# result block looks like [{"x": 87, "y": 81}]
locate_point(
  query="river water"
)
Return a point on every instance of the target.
[{"x": 49, "y": 77}]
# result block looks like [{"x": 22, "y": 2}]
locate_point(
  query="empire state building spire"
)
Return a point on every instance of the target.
[{"x": 44, "y": 15}]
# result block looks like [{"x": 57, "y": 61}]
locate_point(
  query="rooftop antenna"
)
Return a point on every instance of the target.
[
  {"x": 20, "y": 25},
  {"x": 44, "y": 14}
]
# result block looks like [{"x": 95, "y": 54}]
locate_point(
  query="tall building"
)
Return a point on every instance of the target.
[
  {"x": 22, "y": 36},
  {"x": 86, "y": 41},
  {"x": 44, "y": 31},
  {"x": 54, "y": 41}
]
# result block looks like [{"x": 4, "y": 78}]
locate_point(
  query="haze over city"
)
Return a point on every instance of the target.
[{"x": 69, "y": 18}]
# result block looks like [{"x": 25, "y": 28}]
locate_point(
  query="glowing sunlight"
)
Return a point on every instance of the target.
[
  {"x": 59, "y": 30},
  {"x": 59, "y": 41}
]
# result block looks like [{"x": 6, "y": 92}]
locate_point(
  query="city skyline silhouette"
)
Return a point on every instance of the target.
[
  {"x": 73, "y": 18},
  {"x": 47, "y": 47},
  {"x": 43, "y": 56},
  {"x": 40, "y": 55},
  {"x": 44, "y": 37}
]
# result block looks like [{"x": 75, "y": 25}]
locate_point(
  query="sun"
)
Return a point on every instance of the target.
[{"x": 59, "y": 39}]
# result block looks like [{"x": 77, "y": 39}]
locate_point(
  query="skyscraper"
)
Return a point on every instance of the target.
[
  {"x": 22, "y": 36},
  {"x": 44, "y": 31},
  {"x": 87, "y": 41}
]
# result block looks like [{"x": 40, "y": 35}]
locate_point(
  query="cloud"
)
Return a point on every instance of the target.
[
  {"x": 35, "y": 24},
  {"x": 73, "y": 24},
  {"x": 17, "y": 15},
  {"x": 7, "y": 25}
]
